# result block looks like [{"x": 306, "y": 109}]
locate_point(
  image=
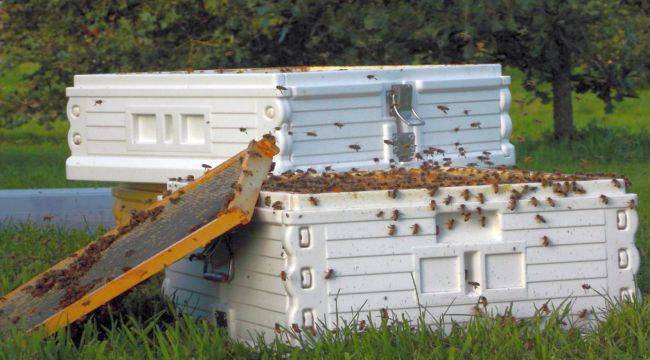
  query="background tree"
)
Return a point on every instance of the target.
[{"x": 585, "y": 45}]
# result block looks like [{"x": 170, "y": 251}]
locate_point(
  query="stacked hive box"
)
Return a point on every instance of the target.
[{"x": 313, "y": 257}]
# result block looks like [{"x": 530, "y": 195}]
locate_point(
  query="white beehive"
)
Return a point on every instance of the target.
[
  {"x": 146, "y": 128},
  {"x": 339, "y": 259}
]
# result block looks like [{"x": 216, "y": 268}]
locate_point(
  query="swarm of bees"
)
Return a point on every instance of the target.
[{"x": 432, "y": 178}]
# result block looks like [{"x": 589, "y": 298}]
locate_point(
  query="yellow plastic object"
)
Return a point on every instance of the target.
[
  {"x": 155, "y": 238},
  {"x": 133, "y": 197}
]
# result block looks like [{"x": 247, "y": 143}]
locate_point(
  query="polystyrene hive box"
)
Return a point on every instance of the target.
[
  {"x": 149, "y": 127},
  {"x": 328, "y": 257}
]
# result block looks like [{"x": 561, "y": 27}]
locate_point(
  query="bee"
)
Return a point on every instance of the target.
[
  {"x": 533, "y": 201},
  {"x": 338, "y": 125},
  {"x": 389, "y": 142},
  {"x": 313, "y": 200},
  {"x": 546, "y": 241},
  {"x": 631, "y": 204},
  {"x": 540, "y": 219},
  {"x": 206, "y": 166},
  {"x": 616, "y": 183},
  {"x": 415, "y": 229},
  {"x": 277, "y": 205},
  {"x": 479, "y": 210},
  {"x": 604, "y": 199},
  {"x": 290, "y": 132},
  {"x": 371, "y": 77},
  {"x": 395, "y": 215},
  {"x": 242, "y": 129},
  {"x": 362, "y": 325},
  {"x": 467, "y": 216},
  {"x": 487, "y": 153},
  {"x": 48, "y": 217},
  {"x": 267, "y": 200},
  {"x": 98, "y": 102},
  {"x": 384, "y": 313},
  {"x": 247, "y": 172},
  {"x": 126, "y": 268},
  {"x": 433, "y": 190},
  {"x": 277, "y": 328},
  {"x": 355, "y": 147},
  {"x": 450, "y": 223},
  {"x": 295, "y": 328},
  {"x": 586, "y": 286},
  {"x": 437, "y": 230},
  {"x": 311, "y": 133},
  {"x": 465, "y": 194},
  {"x": 545, "y": 309},
  {"x": 475, "y": 125},
  {"x": 512, "y": 204},
  {"x": 380, "y": 214},
  {"x": 457, "y": 129},
  {"x": 447, "y": 201},
  {"x": 483, "y": 221},
  {"x": 474, "y": 284},
  {"x": 237, "y": 187},
  {"x": 456, "y": 144},
  {"x": 392, "y": 229},
  {"x": 329, "y": 273},
  {"x": 466, "y": 112},
  {"x": 481, "y": 198},
  {"x": 418, "y": 157},
  {"x": 392, "y": 194},
  {"x": 281, "y": 88},
  {"x": 488, "y": 162},
  {"x": 476, "y": 311},
  {"x": 583, "y": 314},
  {"x": 433, "y": 205},
  {"x": 283, "y": 275},
  {"x": 375, "y": 159},
  {"x": 550, "y": 201},
  {"x": 495, "y": 187},
  {"x": 443, "y": 108},
  {"x": 482, "y": 300}
]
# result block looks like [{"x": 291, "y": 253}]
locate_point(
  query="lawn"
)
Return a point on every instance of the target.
[{"x": 142, "y": 325}]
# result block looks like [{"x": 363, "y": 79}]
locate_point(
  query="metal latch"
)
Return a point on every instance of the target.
[{"x": 400, "y": 106}]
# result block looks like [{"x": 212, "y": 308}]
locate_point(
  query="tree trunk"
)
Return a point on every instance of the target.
[{"x": 562, "y": 103}]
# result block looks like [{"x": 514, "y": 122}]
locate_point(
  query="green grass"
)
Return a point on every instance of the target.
[{"x": 140, "y": 324}]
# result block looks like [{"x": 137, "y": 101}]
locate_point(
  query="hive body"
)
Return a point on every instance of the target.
[
  {"x": 339, "y": 258},
  {"x": 146, "y": 128}
]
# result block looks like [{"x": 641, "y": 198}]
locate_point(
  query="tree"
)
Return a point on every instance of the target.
[{"x": 583, "y": 45}]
